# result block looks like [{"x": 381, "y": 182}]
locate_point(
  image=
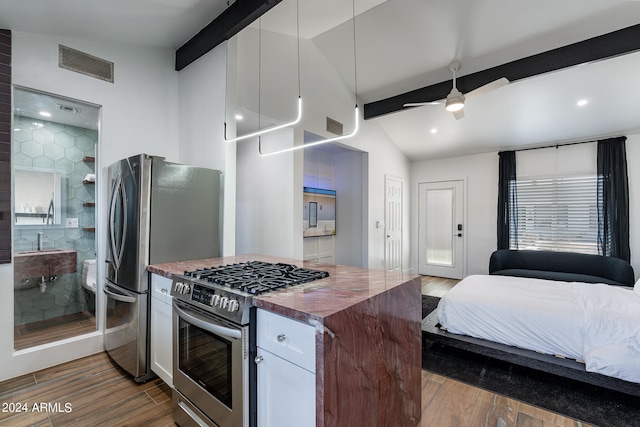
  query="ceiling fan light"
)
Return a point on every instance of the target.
[
  {"x": 454, "y": 104},
  {"x": 455, "y": 100}
]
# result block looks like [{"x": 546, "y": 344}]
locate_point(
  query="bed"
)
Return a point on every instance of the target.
[{"x": 588, "y": 331}]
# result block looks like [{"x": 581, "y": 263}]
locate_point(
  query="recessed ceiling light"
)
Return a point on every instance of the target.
[
  {"x": 45, "y": 114},
  {"x": 434, "y": 130},
  {"x": 239, "y": 117},
  {"x": 582, "y": 103}
]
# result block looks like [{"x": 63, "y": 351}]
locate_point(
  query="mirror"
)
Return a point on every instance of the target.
[{"x": 38, "y": 196}]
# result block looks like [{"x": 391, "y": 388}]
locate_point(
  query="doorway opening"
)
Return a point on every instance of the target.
[{"x": 54, "y": 244}]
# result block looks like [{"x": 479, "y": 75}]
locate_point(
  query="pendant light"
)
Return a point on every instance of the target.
[
  {"x": 299, "y": 115},
  {"x": 356, "y": 110}
]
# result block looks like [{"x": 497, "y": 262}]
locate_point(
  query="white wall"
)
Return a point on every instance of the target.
[
  {"x": 145, "y": 91},
  {"x": 324, "y": 95},
  {"x": 265, "y": 199},
  {"x": 385, "y": 160},
  {"x": 633, "y": 160},
  {"x": 481, "y": 172},
  {"x": 202, "y": 114},
  {"x": 351, "y": 240},
  {"x": 481, "y": 201}
]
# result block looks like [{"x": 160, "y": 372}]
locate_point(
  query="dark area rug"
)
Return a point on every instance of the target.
[{"x": 584, "y": 402}]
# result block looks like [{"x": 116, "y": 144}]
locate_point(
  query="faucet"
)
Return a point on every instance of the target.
[{"x": 40, "y": 235}]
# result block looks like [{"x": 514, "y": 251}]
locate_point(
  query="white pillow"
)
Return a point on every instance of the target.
[{"x": 636, "y": 287}]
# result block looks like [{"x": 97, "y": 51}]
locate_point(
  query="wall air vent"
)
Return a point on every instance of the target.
[
  {"x": 334, "y": 126},
  {"x": 83, "y": 63}
]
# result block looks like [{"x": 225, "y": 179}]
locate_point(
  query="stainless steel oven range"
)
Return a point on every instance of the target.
[{"x": 214, "y": 339}]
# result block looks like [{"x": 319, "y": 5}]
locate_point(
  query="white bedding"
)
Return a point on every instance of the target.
[{"x": 595, "y": 323}]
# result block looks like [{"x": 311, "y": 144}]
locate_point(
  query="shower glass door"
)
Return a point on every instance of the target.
[{"x": 54, "y": 146}]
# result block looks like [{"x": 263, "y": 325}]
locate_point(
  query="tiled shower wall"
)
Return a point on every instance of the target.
[{"x": 43, "y": 144}]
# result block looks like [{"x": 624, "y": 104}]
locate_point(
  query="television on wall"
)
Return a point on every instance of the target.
[{"x": 319, "y": 212}]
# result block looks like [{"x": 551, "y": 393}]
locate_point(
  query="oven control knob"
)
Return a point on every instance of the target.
[
  {"x": 224, "y": 302},
  {"x": 216, "y": 300},
  {"x": 182, "y": 288},
  {"x": 233, "y": 305}
]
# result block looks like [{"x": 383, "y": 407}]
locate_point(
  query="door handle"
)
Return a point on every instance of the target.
[{"x": 119, "y": 297}]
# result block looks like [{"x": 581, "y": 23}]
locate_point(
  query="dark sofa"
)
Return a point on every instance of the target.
[{"x": 563, "y": 266}]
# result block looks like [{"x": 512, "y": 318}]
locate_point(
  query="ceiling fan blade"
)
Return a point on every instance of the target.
[
  {"x": 496, "y": 84},
  {"x": 458, "y": 114},
  {"x": 420, "y": 104}
]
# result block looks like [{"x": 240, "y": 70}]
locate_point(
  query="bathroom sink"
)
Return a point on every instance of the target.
[
  {"x": 42, "y": 252},
  {"x": 52, "y": 262}
]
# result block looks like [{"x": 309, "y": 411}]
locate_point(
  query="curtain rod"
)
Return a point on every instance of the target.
[
  {"x": 555, "y": 145},
  {"x": 566, "y": 144}
]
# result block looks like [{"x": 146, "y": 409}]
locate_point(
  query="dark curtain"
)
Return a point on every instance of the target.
[
  {"x": 613, "y": 199},
  {"x": 506, "y": 199}
]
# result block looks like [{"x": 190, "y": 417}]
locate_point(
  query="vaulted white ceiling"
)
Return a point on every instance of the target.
[{"x": 404, "y": 45}]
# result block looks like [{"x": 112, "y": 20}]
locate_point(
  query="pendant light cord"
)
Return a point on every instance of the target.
[
  {"x": 355, "y": 57},
  {"x": 355, "y": 88},
  {"x": 298, "y": 34},
  {"x": 299, "y": 104}
]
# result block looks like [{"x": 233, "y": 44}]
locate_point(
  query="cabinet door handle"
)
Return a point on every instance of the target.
[
  {"x": 258, "y": 359},
  {"x": 281, "y": 337}
]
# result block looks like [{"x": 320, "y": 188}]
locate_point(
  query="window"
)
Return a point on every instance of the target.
[{"x": 555, "y": 213}]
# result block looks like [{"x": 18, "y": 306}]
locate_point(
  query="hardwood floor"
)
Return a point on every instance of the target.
[
  {"x": 50, "y": 330},
  {"x": 450, "y": 403},
  {"x": 437, "y": 286},
  {"x": 92, "y": 391},
  {"x": 86, "y": 392}
]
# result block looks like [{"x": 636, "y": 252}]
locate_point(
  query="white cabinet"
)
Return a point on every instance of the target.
[
  {"x": 286, "y": 371},
  {"x": 161, "y": 328}
]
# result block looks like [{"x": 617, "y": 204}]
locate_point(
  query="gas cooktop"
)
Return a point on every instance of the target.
[
  {"x": 257, "y": 277},
  {"x": 227, "y": 290}
]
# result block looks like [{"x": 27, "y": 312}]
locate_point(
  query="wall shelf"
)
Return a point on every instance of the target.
[
  {"x": 89, "y": 159},
  {"x": 89, "y": 204},
  {"x": 90, "y": 229}
]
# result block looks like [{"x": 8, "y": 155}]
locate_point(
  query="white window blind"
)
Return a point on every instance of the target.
[{"x": 555, "y": 213}]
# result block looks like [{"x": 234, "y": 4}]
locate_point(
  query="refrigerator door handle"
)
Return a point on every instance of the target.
[
  {"x": 119, "y": 297},
  {"x": 118, "y": 193}
]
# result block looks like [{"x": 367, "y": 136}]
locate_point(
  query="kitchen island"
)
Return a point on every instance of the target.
[{"x": 367, "y": 338}]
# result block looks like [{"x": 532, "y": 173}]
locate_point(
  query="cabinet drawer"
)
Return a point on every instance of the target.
[
  {"x": 292, "y": 340},
  {"x": 161, "y": 288}
]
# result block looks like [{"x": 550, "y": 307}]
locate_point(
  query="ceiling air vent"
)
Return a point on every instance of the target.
[
  {"x": 334, "y": 126},
  {"x": 83, "y": 63}
]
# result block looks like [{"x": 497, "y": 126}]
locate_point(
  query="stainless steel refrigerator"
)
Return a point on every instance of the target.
[{"x": 158, "y": 212}]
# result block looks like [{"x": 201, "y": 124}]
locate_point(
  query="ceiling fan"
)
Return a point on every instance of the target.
[{"x": 455, "y": 100}]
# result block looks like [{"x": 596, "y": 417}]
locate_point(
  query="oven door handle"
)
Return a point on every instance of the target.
[{"x": 203, "y": 323}]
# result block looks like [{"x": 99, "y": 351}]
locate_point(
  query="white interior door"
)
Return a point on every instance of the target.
[
  {"x": 393, "y": 224},
  {"x": 441, "y": 230}
]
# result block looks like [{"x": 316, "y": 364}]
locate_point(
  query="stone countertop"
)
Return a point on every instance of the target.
[{"x": 345, "y": 287}]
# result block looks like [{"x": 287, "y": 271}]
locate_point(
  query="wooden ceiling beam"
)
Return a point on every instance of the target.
[
  {"x": 229, "y": 23},
  {"x": 620, "y": 42}
]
